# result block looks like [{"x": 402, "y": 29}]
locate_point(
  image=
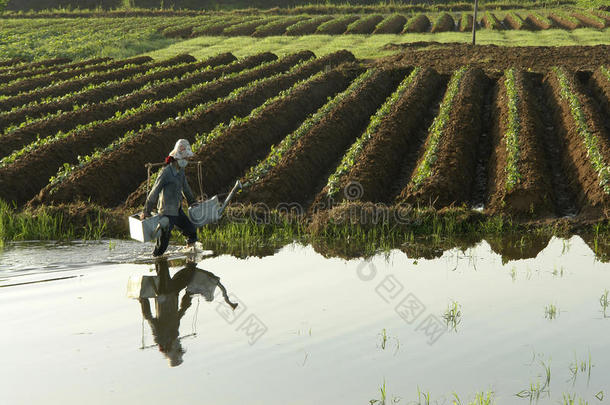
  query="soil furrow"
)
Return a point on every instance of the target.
[
  {"x": 104, "y": 181},
  {"x": 547, "y": 129},
  {"x": 484, "y": 148},
  {"x": 68, "y": 86},
  {"x": 28, "y": 84},
  {"x": 7, "y": 77},
  {"x": 44, "y": 161},
  {"x": 10, "y": 63},
  {"x": 599, "y": 84},
  {"x": 526, "y": 191},
  {"x": 106, "y": 92},
  {"x": 227, "y": 157},
  {"x": 410, "y": 156},
  {"x": 297, "y": 176},
  {"x": 379, "y": 163},
  {"x": 590, "y": 195},
  {"x": 451, "y": 177},
  {"x": 97, "y": 112},
  {"x": 40, "y": 64}
]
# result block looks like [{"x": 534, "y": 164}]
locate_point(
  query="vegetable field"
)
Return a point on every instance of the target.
[
  {"x": 259, "y": 26},
  {"x": 311, "y": 132}
]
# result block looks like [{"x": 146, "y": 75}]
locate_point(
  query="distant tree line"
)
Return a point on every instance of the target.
[{"x": 25, "y": 5}]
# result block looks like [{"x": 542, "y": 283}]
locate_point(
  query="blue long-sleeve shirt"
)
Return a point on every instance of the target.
[{"x": 167, "y": 192}]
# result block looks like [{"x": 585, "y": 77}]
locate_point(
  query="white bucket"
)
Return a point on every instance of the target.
[{"x": 146, "y": 229}]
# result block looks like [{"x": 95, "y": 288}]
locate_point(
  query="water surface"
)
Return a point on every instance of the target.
[{"x": 307, "y": 330}]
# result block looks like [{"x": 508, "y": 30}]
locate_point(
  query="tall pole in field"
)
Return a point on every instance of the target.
[{"x": 474, "y": 23}]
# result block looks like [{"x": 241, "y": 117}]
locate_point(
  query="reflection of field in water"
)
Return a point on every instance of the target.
[{"x": 307, "y": 329}]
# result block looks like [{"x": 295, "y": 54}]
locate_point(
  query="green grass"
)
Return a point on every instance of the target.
[
  {"x": 372, "y": 46},
  {"x": 35, "y": 39}
]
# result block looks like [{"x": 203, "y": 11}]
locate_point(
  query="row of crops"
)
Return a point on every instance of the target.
[
  {"x": 308, "y": 131},
  {"x": 262, "y": 26}
]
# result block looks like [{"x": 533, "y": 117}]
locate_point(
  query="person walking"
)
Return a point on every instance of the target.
[{"x": 167, "y": 194}]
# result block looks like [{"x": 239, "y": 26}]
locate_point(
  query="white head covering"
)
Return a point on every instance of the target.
[{"x": 182, "y": 150}]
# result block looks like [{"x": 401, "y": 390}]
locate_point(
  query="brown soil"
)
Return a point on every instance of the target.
[
  {"x": 69, "y": 86},
  {"x": 393, "y": 26},
  {"x": 104, "y": 93},
  {"x": 337, "y": 27},
  {"x": 6, "y": 77},
  {"x": 297, "y": 177},
  {"x": 10, "y": 63},
  {"x": 104, "y": 180},
  {"x": 27, "y": 84},
  {"x": 222, "y": 180},
  {"x": 35, "y": 65},
  {"x": 547, "y": 129},
  {"x": 228, "y": 157},
  {"x": 212, "y": 29},
  {"x": 445, "y": 58},
  {"x": 532, "y": 195},
  {"x": 590, "y": 195},
  {"x": 311, "y": 27},
  {"x": 451, "y": 181},
  {"x": 379, "y": 164},
  {"x": 537, "y": 24},
  {"x": 444, "y": 23},
  {"x": 178, "y": 32},
  {"x": 513, "y": 23},
  {"x": 366, "y": 25},
  {"x": 276, "y": 29},
  {"x": 82, "y": 142},
  {"x": 468, "y": 26},
  {"x": 100, "y": 112},
  {"x": 600, "y": 84},
  {"x": 490, "y": 21},
  {"x": 243, "y": 30},
  {"x": 563, "y": 23},
  {"x": 591, "y": 22},
  {"x": 419, "y": 23}
]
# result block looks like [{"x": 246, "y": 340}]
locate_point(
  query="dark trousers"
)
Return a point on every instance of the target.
[{"x": 180, "y": 221}]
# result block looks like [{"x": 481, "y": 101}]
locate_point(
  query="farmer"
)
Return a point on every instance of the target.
[{"x": 171, "y": 185}]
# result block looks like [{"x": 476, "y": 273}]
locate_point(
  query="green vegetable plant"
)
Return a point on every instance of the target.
[
  {"x": 590, "y": 139},
  {"x": 435, "y": 133},
  {"x": 351, "y": 156},
  {"x": 256, "y": 173},
  {"x": 513, "y": 128}
]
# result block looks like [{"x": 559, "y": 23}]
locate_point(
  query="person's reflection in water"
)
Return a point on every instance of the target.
[{"x": 166, "y": 324}]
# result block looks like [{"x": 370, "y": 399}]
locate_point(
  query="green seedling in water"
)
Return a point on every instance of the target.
[
  {"x": 380, "y": 401},
  {"x": 453, "y": 315},
  {"x": 571, "y": 400},
  {"x": 551, "y": 312},
  {"x": 604, "y": 301},
  {"x": 481, "y": 398},
  {"x": 385, "y": 338},
  {"x": 584, "y": 366},
  {"x": 423, "y": 396},
  {"x": 537, "y": 389}
]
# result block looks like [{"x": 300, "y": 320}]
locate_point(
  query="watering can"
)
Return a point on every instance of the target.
[{"x": 200, "y": 214}]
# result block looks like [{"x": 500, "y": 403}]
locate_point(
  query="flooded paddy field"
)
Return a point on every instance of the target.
[{"x": 101, "y": 321}]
